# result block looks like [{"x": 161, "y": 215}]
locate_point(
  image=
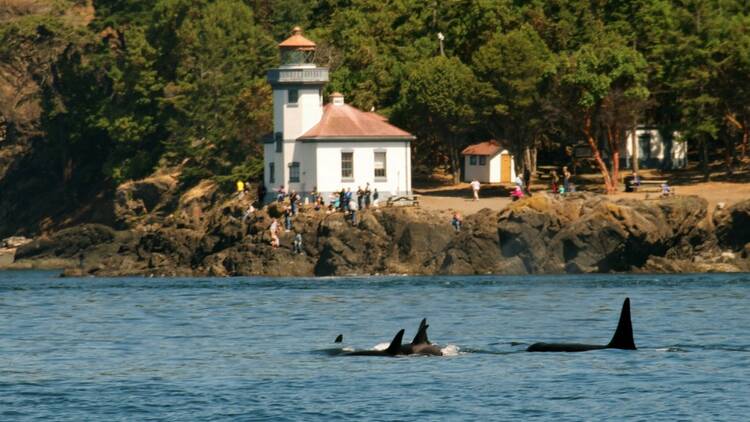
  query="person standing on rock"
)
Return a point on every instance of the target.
[
  {"x": 294, "y": 202},
  {"x": 368, "y": 195},
  {"x": 287, "y": 218},
  {"x": 347, "y": 199},
  {"x": 360, "y": 197},
  {"x": 456, "y": 221},
  {"x": 281, "y": 194},
  {"x": 353, "y": 213},
  {"x": 274, "y": 230},
  {"x": 314, "y": 194},
  {"x": 261, "y": 194},
  {"x": 297, "y": 247},
  {"x": 475, "y": 188},
  {"x": 555, "y": 181},
  {"x": 527, "y": 180},
  {"x": 566, "y": 179},
  {"x": 342, "y": 200},
  {"x": 375, "y": 197},
  {"x": 250, "y": 211},
  {"x": 240, "y": 189}
]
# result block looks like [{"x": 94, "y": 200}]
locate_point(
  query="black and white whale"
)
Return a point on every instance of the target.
[
  {"x": 393, "y": 349},
  {"x": 622, "y": 339},
  {"x": 420, "y": 345}
]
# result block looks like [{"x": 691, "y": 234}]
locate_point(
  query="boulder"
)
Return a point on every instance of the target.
[
  {"x": 135, "y": 200},
  {"x": 68, "y": 243},
  {"x": 733, "y": 225}
]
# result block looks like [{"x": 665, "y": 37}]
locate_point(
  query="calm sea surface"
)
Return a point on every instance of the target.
[{"x": 136, "y": 349}]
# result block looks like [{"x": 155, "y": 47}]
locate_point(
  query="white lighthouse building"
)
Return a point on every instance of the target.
[{"x": 331, "y": 146}]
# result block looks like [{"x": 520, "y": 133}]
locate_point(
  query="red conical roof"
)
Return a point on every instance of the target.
[{"x": 297, "y": 41}]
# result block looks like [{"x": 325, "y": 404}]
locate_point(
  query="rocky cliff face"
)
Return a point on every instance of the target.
[{"x": 158, "y": 232}]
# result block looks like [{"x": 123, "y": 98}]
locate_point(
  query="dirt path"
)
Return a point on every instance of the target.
[
  {"x": 495, "y": 197},
  {"x": 459, "y": 198}
]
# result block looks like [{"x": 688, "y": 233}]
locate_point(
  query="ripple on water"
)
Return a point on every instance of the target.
[{"x": 262, "y": 348}]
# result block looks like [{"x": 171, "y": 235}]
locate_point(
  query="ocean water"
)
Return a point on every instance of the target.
[{"x": 137, "y": 349}]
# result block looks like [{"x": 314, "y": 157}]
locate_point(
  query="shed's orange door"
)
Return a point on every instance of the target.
[{"x": 505, "y": 168}]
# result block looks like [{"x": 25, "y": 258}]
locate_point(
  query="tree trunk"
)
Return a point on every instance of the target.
[
  {"x": 615, "y": 147},
  {"x": 527, "y": 158},
  {"x": 455, "y": 165},
  {"x": 704, "y": 160},
  {"x": 729, "y": 154},
  {"x": 597, "y": 154},
  {"x": 634, "y": 148},
  {"x": 533, "y": 160},
  {"x": 745, "y": 138}
]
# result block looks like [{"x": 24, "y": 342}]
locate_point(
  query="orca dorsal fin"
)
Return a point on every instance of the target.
[
  {"x": 421, "y": 337},
  {"x": 623, "y": 338},
  {"x": 339, "y": 338},
  {"x": 395, "y": 346}
]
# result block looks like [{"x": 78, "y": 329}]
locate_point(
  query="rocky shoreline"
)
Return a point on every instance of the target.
[{"x": 582, "y": 233}]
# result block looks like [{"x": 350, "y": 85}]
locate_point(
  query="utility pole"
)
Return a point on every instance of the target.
[{"x": 441, "y": 37}]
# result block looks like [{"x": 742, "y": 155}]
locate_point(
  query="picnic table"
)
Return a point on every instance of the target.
[
  {"x": 646, "y": 185},
  {"x": 403, "y": 200}
]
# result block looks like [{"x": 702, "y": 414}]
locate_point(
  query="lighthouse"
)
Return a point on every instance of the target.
[
  {"x": 297, "y": 106},
  {"x": 332, "y": 146}
]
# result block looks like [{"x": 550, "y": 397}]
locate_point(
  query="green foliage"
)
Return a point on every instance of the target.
[
  {"x": 439, "y": 102},
  {"x": 518, "y": 66},
  {"x": 152, "y": 83}
]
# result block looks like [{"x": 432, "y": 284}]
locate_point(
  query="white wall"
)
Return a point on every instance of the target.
[
  {"x": 494, "y": 168},
  {"x": 304, "y": 154},
  {"x": 294, "y": 120},
  {"x": 657, "y": 148},
  {"x": 270, "y": 156},
  {"x": 475, "y": 171},
  {"x": 398, "y": 166}
]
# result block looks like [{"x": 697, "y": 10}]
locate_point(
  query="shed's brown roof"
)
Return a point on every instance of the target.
[
  {"x": 490, "y": 147},
  {"x": 346, "y": 122},
  {"x": 297, "y": 41}
]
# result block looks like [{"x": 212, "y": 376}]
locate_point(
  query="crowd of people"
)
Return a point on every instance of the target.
[
  {"x": 344, "y": 201},
  {"x": 350, "y": 203}
]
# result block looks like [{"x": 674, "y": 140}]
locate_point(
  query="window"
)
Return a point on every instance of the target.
[
  {"x": 271, "y": 173},
  {"x": 473, "y": 160},
  {"x": 482, "y": 160},
  {"x": 293, "y": 96},
  {"x": 347, "y": 165},
  {"x": 294, "y": 172},
  {"x": 379, "y": 165},
  {"x": 279, "y": 138}
]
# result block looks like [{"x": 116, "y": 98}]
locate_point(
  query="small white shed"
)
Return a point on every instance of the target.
[
  {"x": 488, "y": 162},
  {"x": 657, "y": 148}
]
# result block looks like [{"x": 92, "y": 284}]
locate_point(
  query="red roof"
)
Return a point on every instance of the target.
[
  {"x": 346, "y": 122},
  {"x": 297, "y": 41},
  {"x": 490, "y": 147}
]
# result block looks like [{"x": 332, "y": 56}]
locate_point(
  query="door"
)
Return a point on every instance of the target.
[{"x": 505, "y": 168}]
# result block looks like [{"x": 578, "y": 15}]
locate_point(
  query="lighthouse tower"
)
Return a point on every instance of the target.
[{"x": 297, "y": 106}]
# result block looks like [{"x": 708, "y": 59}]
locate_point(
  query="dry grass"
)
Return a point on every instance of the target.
[{"x": 14, "y": 8}]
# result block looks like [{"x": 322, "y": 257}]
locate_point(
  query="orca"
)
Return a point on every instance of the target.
[
  {"x": 622, "y": 339},
  {"x": 339, "y": 338},
  {"x": 421, "y": 345},
  {"x": 393, "y": 349}
]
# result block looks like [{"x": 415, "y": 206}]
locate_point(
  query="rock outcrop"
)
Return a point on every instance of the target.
[
  {"x": 733, "y": 225},
  {"x": 540, "y": 234}
]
